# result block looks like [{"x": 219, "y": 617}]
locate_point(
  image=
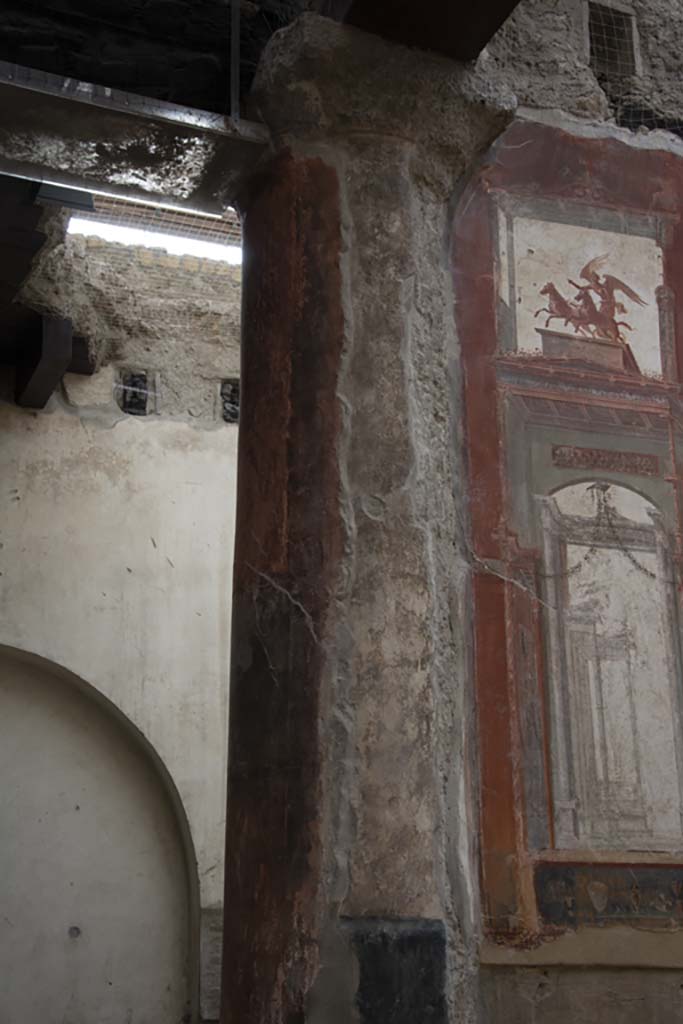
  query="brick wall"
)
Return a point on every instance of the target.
[{"x": 177, "y": 317}]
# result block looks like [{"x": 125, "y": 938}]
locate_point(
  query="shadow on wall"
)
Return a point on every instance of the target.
[{"x": 99, "y": 882}]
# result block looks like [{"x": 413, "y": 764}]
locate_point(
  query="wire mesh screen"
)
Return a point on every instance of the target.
[
  {"x": 614, "y": 58},
  {"x": 612, "y": 43},
  {"x": 124, "y": 213}
]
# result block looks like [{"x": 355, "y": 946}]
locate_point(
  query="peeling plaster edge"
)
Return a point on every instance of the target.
[{"x": 554, "y": 117}]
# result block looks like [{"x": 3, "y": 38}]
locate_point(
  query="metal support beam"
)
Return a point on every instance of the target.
[{"x": 80, "y": 135}]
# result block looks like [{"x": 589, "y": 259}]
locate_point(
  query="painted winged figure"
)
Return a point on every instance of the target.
[{"x": 595, "y": 309}]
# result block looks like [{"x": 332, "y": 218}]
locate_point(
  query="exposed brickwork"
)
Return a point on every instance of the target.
[{"x": 177, "y": 317}]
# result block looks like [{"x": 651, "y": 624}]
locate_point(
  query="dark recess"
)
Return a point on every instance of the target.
[
  {"x": 230, "y": 400},
  {"x": 172, "y": 50},
  {"x": 132, "y": 393},
  {"x": 457, "y": 30},
  {"x": 402, "y": 970}
]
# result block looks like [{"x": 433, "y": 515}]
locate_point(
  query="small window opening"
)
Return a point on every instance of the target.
[
  {"x": 612, "y": 42},
  {"x": 230, "y": 400},
  {"x": 132, "y": 392}
]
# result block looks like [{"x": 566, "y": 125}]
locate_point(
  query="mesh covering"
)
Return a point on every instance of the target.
[
  {"x": 614, "y": 58},
  {"x": 612, "y": 43},
  {"x": 224, "y": 230},
  {"x": 598, "y": 58}
]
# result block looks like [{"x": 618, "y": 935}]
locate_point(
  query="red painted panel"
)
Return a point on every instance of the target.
[{"x": 498, "y": 820}]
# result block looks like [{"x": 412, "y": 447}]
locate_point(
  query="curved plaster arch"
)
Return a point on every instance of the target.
[
  {"x": 13, "y": 657},
  {"x": 616, "y": 485}
]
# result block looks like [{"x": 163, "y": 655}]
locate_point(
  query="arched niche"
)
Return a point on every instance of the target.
[
  {"x": 613, "y": 669},
  {"x": 99, "y": 887}
]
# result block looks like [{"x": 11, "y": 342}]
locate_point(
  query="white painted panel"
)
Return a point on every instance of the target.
[
  {"x": 547, "y": 252},
  {"x": 615, "y": 698}
]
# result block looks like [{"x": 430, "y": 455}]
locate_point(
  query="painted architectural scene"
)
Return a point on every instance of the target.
[
  {"x": 613, "y": 669},
  {"x": 576, "y": 507}
]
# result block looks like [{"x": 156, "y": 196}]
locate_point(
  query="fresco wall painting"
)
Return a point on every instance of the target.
[{"x": 567, "y": 253}]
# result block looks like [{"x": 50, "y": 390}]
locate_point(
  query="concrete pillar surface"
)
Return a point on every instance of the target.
[{"x": 350, "y": 888}]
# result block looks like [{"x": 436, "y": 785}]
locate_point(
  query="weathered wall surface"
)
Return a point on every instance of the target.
[
  {"x": 117, "y": 531},
  {"x": 581, "y": 996},
  {"x": 139, "y": 308},
  {"x": 542, "y": 53}
]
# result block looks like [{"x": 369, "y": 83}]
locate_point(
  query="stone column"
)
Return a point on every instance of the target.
[{"x": 350, "y": 881}]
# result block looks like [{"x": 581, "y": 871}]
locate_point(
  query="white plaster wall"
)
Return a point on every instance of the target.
[
  {"x": 95, "y": 925},
  {"x": 116, "y": 563}
]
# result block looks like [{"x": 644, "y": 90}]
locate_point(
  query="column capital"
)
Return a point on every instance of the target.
[{"x": 319, "y": 80}]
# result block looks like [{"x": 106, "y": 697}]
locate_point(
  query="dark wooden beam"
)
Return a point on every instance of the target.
[
  {"x": 40, "y": 348},
  {"x": 19, "y": 242},
  {"x": 455, "y": 28},
  {"x": 82, "y": 357},
  {"x": 45, "y": 359}
]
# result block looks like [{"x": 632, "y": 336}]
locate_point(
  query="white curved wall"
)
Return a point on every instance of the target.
[
  {"x": 116, "y": 537},
  {"x": 95, "y": 904}
]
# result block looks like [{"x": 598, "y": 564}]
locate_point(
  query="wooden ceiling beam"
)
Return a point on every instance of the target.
[
  {"x": 45, "y": 359},
  {"x": 458, "y": 29}
]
